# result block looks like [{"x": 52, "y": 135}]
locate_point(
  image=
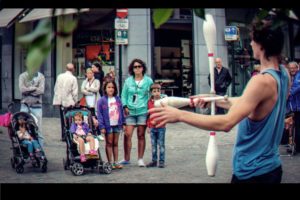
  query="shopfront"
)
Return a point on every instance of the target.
[
  {"x": 173, "y": 55},
  {"x": 93, "y": 41},
  {"x": 240, "y": 56}
]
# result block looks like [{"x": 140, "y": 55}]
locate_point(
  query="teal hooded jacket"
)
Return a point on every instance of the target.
[{"x": 136, "y": 95}]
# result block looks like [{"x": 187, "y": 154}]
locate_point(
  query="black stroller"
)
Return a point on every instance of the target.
[
  {"x": 72, "y": 160},
  {"x": 20, "y": 153}
]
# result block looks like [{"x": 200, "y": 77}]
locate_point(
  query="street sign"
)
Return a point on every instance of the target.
[
  {"x": 121, "y": 37},
  {"x": 231, "y": 33},
  {"x": 122, "y": 12},
  {"x": 121, "y": 23}
]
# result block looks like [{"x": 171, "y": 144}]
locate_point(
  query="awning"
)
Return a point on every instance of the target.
[
  {"x": 36, "y": 14},
  {"x": 7, "y": 15}
]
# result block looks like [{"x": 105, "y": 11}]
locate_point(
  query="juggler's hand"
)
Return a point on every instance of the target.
[{"x": 163, "y": 115}]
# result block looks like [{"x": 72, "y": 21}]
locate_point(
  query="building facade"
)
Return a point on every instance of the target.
[{"x": 175, "y": 54}]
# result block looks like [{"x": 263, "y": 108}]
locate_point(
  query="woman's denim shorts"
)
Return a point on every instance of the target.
[{"x": 136, "y": 119}]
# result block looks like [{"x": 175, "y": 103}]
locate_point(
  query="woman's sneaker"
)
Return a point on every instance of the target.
[
  {"x": 141, "y": 163},
  {"x": 124, "y": 162}
]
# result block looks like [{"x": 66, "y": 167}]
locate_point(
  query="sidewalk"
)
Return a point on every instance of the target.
[{"x": 185, "y": 160}]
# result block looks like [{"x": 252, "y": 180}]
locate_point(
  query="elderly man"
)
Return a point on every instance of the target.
[
  {"x": 294, "y": 100},
  {"x": 65, "y": 93},
  {"x": 222, "y": 81},
  {"x": 32, "y": 89}
]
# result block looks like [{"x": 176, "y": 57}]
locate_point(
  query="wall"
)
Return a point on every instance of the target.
[
  {"x": 200, "y": 50},
  {"x": 6, "y": 75}
]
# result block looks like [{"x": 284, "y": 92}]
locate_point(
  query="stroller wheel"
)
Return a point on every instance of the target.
[
  {"x": 44, "y": 168},
  {"x": 12, "y": 162},
  {"x": 65, "y": 163},
  {"x": 107, "y": 168},
  {"x": 36, "y": 164},
  {"x": 20, "y": 169},
  {"x": 77, "y": 169}
]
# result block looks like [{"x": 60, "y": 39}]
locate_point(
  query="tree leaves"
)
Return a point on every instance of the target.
[
  {"x": 160, "y": 16},
  {"x": 200, "y": 12},
  {"x": 39, "y": 46}
]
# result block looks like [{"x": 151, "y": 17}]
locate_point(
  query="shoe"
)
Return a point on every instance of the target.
[
  {"x": 141, "y": 163},
  {"x": 93, "y": 152},
  {"x": 113, "y": 166},
  {"x": 124, "y": 162},
  {"x": 82, "y": 158},
  {"x": 117, "y": 166},
  {"x": 161, "y": 165},
  {"x": 101, "y": 137},
  {"x": 152, "y": 164}
]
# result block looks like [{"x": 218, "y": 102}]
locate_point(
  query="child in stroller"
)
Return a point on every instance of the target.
[
  {"x": 27, "y": 140},
  {"x": 82, "y": 134},
  {"x": 24, "y": 133},
  {"x": 82, "y": 144}
]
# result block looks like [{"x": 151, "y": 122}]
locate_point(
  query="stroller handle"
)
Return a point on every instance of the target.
[{"x": 9, "y": 107}]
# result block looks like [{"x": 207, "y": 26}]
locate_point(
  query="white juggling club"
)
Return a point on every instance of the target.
[
  {"x": 179, "y": 102},
  {"x": 209, "y": 32}
]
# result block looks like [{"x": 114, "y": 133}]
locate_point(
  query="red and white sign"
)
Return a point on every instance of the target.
[{"x": 122, "y": 13}]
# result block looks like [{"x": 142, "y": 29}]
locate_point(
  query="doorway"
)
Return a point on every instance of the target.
[{"x": 173, "y": 62}]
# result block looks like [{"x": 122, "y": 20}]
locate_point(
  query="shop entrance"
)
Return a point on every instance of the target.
[
  {"x": 241, "y": 61},
  {"x": 240, "y": 56},
  {"x": 94, "y": 40},
  {"x": 173, "y": 55}
]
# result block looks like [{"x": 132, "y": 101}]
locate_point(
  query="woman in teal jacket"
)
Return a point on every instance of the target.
[{"x": 135, "y": 96}]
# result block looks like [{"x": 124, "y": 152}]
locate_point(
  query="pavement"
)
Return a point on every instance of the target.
[{"x": 185, "y": 159}]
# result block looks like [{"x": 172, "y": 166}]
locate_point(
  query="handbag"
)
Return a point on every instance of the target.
[
  {"x": 82, "y": 101},
  {"x": 5, "y": 119}
]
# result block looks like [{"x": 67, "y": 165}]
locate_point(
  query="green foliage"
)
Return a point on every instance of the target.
[
  {"x": 200, "y": 12},
  {"x": 38, "y": 43},
  {"x": 161, "y": 16}
]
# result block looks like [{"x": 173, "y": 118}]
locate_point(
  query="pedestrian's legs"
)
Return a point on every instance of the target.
[
  {"x": 161, "y": 143},
  {"x": 297, "y": 130},
  {"x": 127, "y": 141},
  {"x": 115, "y": 146},
  {"x": 38, "y": 113},
  {"x": 141, "y": 140},
  {"x": 154, "y": 138},
  {"x": 62, "y": 122},
  {"x": 108, "y": 146}
]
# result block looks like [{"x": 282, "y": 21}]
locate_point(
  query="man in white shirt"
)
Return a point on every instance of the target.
[{"x": 65, "y": 92}]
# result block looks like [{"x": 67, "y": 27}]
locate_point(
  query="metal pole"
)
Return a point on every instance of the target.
[{"x": 120, "y": 68}]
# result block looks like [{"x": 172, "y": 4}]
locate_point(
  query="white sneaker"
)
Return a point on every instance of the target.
[
  {"x": 141, "y": 163},
  {"x": 101, "y": 137}
]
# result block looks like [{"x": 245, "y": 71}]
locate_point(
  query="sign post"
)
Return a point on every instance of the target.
[
  {"x": 121, "y": 36},
  {"x": 231, "y": 33}
]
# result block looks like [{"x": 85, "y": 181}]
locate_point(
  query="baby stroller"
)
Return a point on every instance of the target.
[
  {"x": 20, "y": 153},
  {"x": 72, "y": 160}
]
